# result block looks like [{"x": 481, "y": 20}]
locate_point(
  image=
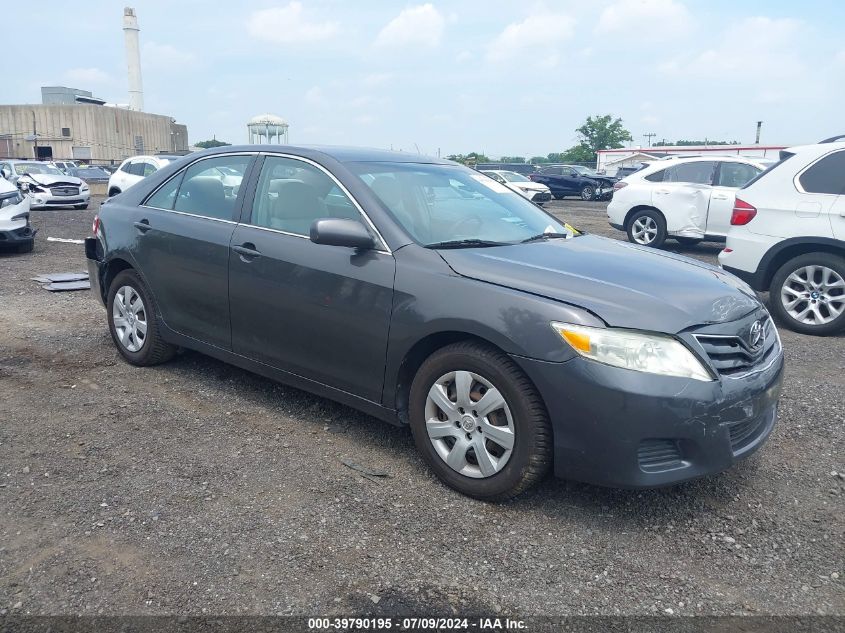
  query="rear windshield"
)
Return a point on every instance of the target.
[{"x": 784, "y": 156}]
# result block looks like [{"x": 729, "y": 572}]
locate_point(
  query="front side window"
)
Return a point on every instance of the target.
[
  {"x": 292, "y": 194},
  {"x": 442, "y": 203},
  {"x": 165, "y": 197},
  {"x": 203, "y": 192},
  {"x": 136, "y": 168},
  {"x": 736, "y": 174},
  {"x": 695, "y": 172},
  {"x": 825, "y": 176}
]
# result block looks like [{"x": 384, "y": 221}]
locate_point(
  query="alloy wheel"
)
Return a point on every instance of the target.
[
  {"x": 469, "y": 424},
  {"x": 813, "y": 295},
  {"x": 130, "y": 318},
  {"x": 644, "y": 230},
  {"x": 587, "y": 193}
]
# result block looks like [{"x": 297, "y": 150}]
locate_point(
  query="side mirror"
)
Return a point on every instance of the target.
[
  {"x": 5, "y": 173},
  {"x": 339, "y": 232}
]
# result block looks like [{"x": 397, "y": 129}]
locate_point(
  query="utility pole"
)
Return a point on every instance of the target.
[
  {"x": 34, "y": 137},
  {"x": 759, "y": 126},
  {"x": 649, "y": 136}
]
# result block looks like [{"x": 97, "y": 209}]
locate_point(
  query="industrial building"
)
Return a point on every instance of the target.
[
  {"x": 609, "y": 160},
  {"x": 73, "y": 124}
]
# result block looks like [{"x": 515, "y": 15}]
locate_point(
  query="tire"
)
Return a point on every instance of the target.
[
  {"x": 151, "y": 348},
  {"x": 521, "y": 421},
  {"x": 113, "y": 192},
  {"x": 26, "y": 247},
  {"x": 558, "y": 196},
  {"x": 815, "y": 282},
  {"x": 587, "y": 193},
  {"x": 688, "y": 241},
  {"x": 81, "y": 207},
  {"x": 653, "y": 225}
]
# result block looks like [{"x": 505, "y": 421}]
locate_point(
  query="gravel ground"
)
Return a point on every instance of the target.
[{"x": 195, "y": 487}]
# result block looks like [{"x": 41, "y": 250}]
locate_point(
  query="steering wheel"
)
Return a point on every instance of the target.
[{"x": 455, "y": 229}]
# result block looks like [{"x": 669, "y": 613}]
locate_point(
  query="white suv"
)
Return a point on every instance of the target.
[
  {"x": 688, "y": 199},
  {"x": 788, "y": 237},
  {"x": 135, "y": 169}
]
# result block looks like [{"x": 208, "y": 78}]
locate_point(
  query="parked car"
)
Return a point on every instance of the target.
[
  {"x": 506, "y": 340},
  {"x": 134, "y": 169},
  {"x": 15, "y": 229},
  {"x": 688, "y": 199},
  {"x": 627, "y": 170},
  {"x": 787, "y": 237},
  {"x": 90, "y": 174},
  {"x": 46, "y": 186},
  {"x": 574, "y": 180},
  {"x": 65, "y": 166},
  {"x": 525, "y": 187}
]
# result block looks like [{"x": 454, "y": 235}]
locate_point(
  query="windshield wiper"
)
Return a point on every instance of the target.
[
  {"x": 546, "y": 236},
  {"x": 468, "y": 243}
]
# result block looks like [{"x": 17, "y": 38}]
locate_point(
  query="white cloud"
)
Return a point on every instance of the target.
[
  {"x": 419, "y": 25},
  {"x": 840, "y": 57},
  {"x": 376, "y": 79},
  {"x": 364, "y": 119},
  {"x": 289, "y": 25},
  {"x": 157, "y": 55},
  {"x": 84, "y": 76},
  {"x": 753, "y": 49},
  {"x": 463, "y": 56},
  {"x": 314, "y": 96},
  {"x": 637, "y": 17},
  {"x": 541, "y": 32}
]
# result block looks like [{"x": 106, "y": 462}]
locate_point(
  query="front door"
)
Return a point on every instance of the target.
[
  {"x": 183, "y": 235},
  {"x": 684, "y": 196},
  {"x": 318, "y": 311},
  {"x": 730, "y": 176}
]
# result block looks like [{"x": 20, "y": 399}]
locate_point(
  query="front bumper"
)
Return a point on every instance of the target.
[
  {"x": 539, "y": 196},
  {"x": 47, "y": 200},
  {"x": 93, "y": 259},
  {"x": 20, "y": 235},
  {"x": 628, "y": 429}
]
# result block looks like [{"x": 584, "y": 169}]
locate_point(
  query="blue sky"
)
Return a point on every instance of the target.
[{"x": 465, "y": 75}]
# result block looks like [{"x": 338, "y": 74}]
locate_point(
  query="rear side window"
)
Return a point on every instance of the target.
[
  {"x": 784, "y": 156},
  {"x": 136, "y": 169},
  {"x": 826, "y": 175},
  {"x": 125, "y": 167},
  {"x": 735, "y": 174},
  {"x": 203, "y": 190},
  {"x": 149, "y": 169},
  {"x": 697, "y": 172},
  {"x": 165, "y": 197}
]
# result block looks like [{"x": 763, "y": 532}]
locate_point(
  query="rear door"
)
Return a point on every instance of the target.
[
  {"x": 317, "y": 311},
  {"x": 684, "y": 196},
  {"x": 183, "y": 235},
  {"x": 729, "y": 177},
  {"x": 822, "y": 195}
]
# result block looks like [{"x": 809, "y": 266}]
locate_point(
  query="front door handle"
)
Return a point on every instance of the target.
[
  {"x": 143, "y": 225},
  {"x": 247, "y": 251}
]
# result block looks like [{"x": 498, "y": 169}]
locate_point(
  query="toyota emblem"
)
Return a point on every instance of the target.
[{"x": 755, "y": 335}]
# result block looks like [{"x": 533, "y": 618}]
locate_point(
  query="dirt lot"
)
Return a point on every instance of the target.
[{"x": 195, "y": 487}]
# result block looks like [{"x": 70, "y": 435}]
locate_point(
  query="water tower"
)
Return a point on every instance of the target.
[{"x": 268, "y": 127}]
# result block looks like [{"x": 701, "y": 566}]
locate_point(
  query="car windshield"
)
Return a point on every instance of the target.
[
  {"x": 512, "y": 176},
  {"x": 585, "y": 171},
  {"x": 36, "y": 168},
  {"x": 445, "y": 203},
  {"x": 91, "y": 173}
]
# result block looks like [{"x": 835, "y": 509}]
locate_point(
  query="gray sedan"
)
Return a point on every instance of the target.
[{"x": 428, "y": 295}]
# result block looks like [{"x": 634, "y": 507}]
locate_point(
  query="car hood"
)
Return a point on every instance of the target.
[
  {"x": 6, "y": 186},
  {"x": 49, "y": 180},
  {"x": 534, "y": 186},
  {"x": 623, "y": 284}
]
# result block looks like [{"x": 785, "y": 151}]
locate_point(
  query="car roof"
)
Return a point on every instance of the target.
[
  {"x": 821, "y": 147},
  {"x": 341, "y": 154}
]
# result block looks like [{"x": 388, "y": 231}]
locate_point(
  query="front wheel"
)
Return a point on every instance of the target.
[
  {"x": 587, "y": 193},
  {"x": 647, "y": 228},
  {"x": 133, "y": 322},
  {"x": 479, "y": 423},
  {"x": 807, "y": 294},
  {"x": 558, "y": 196}
]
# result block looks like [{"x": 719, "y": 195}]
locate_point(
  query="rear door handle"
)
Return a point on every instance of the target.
[
  {"x": 247, "y": 251},
  {"x": 719, "y": 197},
  {"x": 143, "y": 225}
]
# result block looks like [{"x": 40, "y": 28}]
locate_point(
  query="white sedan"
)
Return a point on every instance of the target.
[
  {"x": 534, "y": 191},
  {"x": 688, "y": 199},
  {"x": 134, "y": 170}
]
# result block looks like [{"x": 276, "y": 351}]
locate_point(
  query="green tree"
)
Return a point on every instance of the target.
[
  {"x": 603, "y": 132},
  {"x": 512, "y": 159},
  {"x": 578, "y": 154},
  {"x": 538, "y": 160},
  {"x": 473, "y": 158},
  {"x": 211, "y": 143}
]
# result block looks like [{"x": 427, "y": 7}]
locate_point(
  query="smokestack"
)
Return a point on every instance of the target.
[
  {"x": 133, "y": 59},
  {"x": 759, "y": 126}
]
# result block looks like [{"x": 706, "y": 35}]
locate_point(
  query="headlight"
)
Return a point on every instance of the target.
[
  {"x": 11, "y": 199},
  {"x": 84, "y": 186},
  {"x": 631, "y": 349}
]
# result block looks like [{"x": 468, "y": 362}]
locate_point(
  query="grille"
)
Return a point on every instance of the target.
[
  {"x": 733, "y": 355},
  {"x": 659, "y": 455},
  {"x": 542, "y": 197},
  {"x": 65, "y": 191}
]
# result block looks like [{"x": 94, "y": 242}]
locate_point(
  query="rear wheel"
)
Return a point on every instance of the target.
[
  {"x": 113, "y": 192},
  {"x": 587, "y": 193},
  {"x": 479, "y": 422},
  {"x": 133, "y": 322},
  {"x": 647, "y": 228},
  {"x": 807, "y": 294}
]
